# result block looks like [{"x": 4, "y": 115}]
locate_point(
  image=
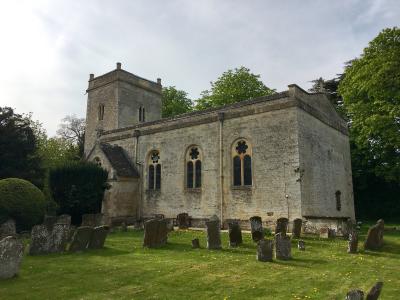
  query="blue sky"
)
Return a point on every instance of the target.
[{"x": 48, "y": 48}]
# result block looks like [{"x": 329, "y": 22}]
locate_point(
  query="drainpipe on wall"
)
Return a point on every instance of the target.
[
  {"x": 221, "y": 166},
  {"x": 136, "y": 134}
]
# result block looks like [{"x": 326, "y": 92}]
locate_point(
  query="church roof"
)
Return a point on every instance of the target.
[{"x": 119, "y": 161}]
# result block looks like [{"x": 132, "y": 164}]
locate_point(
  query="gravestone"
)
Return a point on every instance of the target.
[
  {"x": 296, "y": 231},
  {"x": 281, "y": 225},
  {"x": 374, "y": 240},
  {"x": 283, "y": 247},
  {"x": 355, "y": 295},
  {"x": 301, "y": 245},
  {"x": 11, "y": 253},
  {"x": 124, "y": 228},
  {"x": 213, "y": 233},
  {"x": 257, "y": 231},
  {"x": 7, "y": 229},
  {"x": 265, "y": 250},
  {"x": 92, "y": 220},
  {"x": 183, "y": 221},
  {"x": 98, "y": 238},
  {"x": 40, "y": 240},
  {"x": 155, "y": 233},
  {"x": 349, "y": 228},
  {"x": 195, "y": 243},
  {"x": 353, "y": 242},
  {"x": 81, "y": 239},
  {"x": 235, "y": 233},
  {"x": 375, "y": 291},
  {"x": 64, "y": 219},
  {"x": 327, "y": 233},
  {"x": 58, "y": 238}
]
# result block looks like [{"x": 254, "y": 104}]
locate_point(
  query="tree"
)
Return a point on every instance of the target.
[
  {"x": 371, "y": 92},
  {"x": 72, "y": 129},
  {"x": 56, "y": 151},
  {"x": 77, "y": 188},
  {"x": 175, "y": 102},
  {"x": 18, "y": 147},
  {"x": 330, "y": 88},
  {"x": 233, "y": 86}
]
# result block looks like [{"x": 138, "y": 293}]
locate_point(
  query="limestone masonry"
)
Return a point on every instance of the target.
[{"x": 281, "y": 156}]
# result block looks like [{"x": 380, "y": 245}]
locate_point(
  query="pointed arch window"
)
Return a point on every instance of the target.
[
  {"x": 242, "y": 165},
  {"x": 193, "y": 168},
  {"x": 154, "y": 171},
  {"x": 101, "y": 112}
]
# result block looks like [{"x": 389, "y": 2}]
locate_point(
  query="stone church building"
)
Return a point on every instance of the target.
[{"x": 284, "y": 155}]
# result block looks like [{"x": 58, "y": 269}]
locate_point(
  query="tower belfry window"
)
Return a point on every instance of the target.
[
  {"x": 142, "y": 113},
  {"x": 101, "y": 112}
]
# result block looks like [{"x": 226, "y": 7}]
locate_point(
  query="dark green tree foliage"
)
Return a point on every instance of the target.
[
  {"x": 21, "y": 201},
  {"x": 371, "y": 93},
  {"x": 18, "y": 147},
  {"x": 233, "y": 86},
  {"x": 77, "y": 188},
  {"x": 175, "y": 102},
  {"x": 330, "y": 88}
]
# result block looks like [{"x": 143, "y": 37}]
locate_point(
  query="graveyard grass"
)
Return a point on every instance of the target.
[{"x": 124, "y": 270}]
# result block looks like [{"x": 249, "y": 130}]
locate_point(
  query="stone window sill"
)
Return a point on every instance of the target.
[
  {"x": 193, "y": 190},
  {"x": 242, "y": 187}
]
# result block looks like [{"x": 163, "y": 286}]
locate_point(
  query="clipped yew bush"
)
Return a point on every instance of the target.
[
  {"x": 77, "y": 188},
  {"x": 21, "y": 201}
]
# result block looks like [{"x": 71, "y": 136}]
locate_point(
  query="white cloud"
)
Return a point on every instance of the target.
[{"x": 48, "y": 48}]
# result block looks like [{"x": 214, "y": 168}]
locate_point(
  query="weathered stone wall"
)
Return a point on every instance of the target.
[
  {"x": 325, "y": 168},
  {"x": 108, "y": 96},
  {"x": 268, "y": 127},
  {"x": 121, "y": 93},
  {"x": 122, "y": 199}
]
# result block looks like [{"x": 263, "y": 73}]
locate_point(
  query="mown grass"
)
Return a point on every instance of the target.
[{"x": 124, "y": 270}]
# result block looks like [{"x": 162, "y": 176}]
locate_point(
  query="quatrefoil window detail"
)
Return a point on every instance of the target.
[
  {"x": 194, "y": 153},
  {"x": 241, "y": 147},
  {"x": 155, "y": 156}
]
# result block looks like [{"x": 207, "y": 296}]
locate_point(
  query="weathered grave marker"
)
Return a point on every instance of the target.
[
  {"x": 11, "y": 253},
  {"x": 257, "y": 231}
]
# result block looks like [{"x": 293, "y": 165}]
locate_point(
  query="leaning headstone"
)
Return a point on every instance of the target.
[
  {"x": 353, "y": 242},
  {"x": 283, "y": 247},
  {"x": 257, "y": 231},
  {"x": 98, "y": 237},
  {"x": 40, "y": 240},
  {"x": 301, "y": 245},
  {"x": 264, "y": 250},
  {"x": 81, "y": 239},
  {"x": 235, "y": 233},
  {"x": 155, "y": 233},
  {"x": 375, "y": 291},
  {"x": 11, "y": 252},
  {"x": 355, "y": 295},
  {"x": 281, "y": 225},
  {"x": 374, "y": 239},
  {"x": 296, "y": 231},
  {"x": 92, "y": 220},
  {"x": 58, "y": 238},
  {"x": 183, "y": 221},
  {"x": 7, "y": 229},
  {"x": 213, "y": 234},
  {"x": 195, "y": 243}
]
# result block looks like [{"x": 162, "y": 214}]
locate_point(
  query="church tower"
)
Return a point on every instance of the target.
[{"x": 119, "y": 99}]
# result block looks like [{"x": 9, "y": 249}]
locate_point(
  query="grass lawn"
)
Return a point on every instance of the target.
[{"x": 124, "y": 270}]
